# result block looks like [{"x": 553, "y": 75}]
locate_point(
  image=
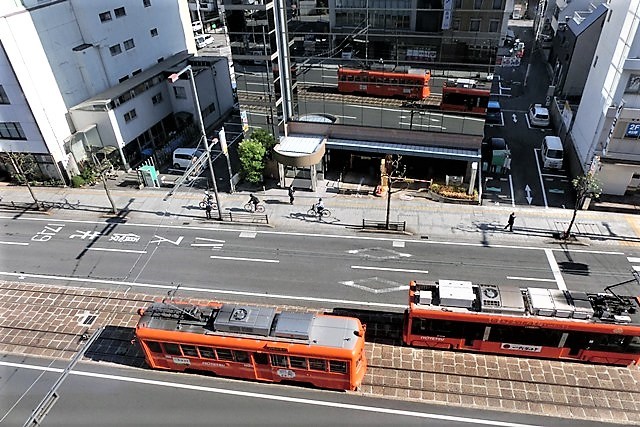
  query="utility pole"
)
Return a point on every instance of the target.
[{"x": 396, "y": 174}]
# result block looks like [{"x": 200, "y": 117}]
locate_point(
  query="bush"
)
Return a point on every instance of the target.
[
  {"x": 77, "y": 181},
  {"x": 251, "y": 153},
  {"x": 452, "y": 192}
]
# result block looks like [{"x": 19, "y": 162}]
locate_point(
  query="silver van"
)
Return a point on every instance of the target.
[
  {"x": 552, "y": 152},
  {"x": 185, "y": 157}
]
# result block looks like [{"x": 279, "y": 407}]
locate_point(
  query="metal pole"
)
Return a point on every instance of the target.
[
  {"x": 389, "y": 182},
  {"x": 206, "y": 143}
]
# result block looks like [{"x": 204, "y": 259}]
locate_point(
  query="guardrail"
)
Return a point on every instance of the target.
[
  {"x": 245, "y": 217},
  {"x": 382, "y": 225}
]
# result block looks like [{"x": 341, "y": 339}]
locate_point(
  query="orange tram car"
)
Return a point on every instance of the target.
[
  {"x": 531, "y": 322},
  {"x": 255, "y": 343},
  {"x": 383, "y": 83}
]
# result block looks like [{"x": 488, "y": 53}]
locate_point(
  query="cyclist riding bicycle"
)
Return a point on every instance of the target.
[
  {"x": 319, "y": 206},
  {"x": 253, "y": 199},
  {"x": 208, "y": 196}
]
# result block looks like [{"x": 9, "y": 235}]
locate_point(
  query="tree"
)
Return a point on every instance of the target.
[
  {"x": 265, "y": 138},
  {"x": 586, "y": 185},
  {"x": 251, "y": 153},
  {"x": 25, "y": 166}
]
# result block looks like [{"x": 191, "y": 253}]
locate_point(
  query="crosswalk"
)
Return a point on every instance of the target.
[{"x": 634, "y": 260}]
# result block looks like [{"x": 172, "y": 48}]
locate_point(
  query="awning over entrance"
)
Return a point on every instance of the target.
[
  {"x": 299, "y": 150},
  {"x": 463, "y": 154}
]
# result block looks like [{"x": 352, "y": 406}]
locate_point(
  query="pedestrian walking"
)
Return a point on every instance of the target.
[
  {"x": 291, "y": 191},
  {"x": 510, "y": 221},
  {"x": 207, "y": 210}
]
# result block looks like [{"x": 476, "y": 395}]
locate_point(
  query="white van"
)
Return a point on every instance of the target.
[
  {"x": 184, "y": 157},
  {"x": 552, "y": 152},
  {"x": 204, "y": 40}
]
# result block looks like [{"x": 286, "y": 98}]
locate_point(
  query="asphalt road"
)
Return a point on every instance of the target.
[
  {"x": 281, "y": 267},
  {"x": 108, "y": 395}
]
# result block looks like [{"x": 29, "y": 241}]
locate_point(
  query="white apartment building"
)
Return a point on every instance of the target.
[
  {"x": 606, "y": 130},
  {"x": 78, "y": 75}
]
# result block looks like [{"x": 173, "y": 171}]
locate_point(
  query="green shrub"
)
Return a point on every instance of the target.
[
  {"x": 251, "y": 153},
  {"x": 77, "y": 181}
]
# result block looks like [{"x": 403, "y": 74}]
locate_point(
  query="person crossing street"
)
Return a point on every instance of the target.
[{"x": 291, "y": 191}]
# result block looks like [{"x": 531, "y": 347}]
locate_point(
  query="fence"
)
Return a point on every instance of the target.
[
  {"x": 245, "y": 217},
  {"x": 382, "y": 225}
]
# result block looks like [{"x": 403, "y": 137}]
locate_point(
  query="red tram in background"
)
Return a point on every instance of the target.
[
  {"x": 463, "y": 95},
  {"x": 255, "y": 343},
  {"x": 531, "y": 322},
  {"x": 409, "y": 85}
]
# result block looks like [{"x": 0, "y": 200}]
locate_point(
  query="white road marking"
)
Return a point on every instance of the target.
[
  {"x": 513, "y": 200},
  {"x": 117, "y": 250},
  {"x": 632, "y": 259},
  {"x": 204, "y": 290},
  {"x": 248, "y": 234},
  {"x": 353, "y": 284},
  {"x": 214, "y": 244},
  {"x": 636, "y": 268},
  {"x": 209, "y": 245},
  {"x": 161, "y": 239},
  {"x": 230, "y": 258},
  {"x": 326, "y": 236},
  {"x": 272, "y": 397},
  {"x": 398, "y": 244},
  {"x": 555, "y": 269},
  {"x": 533, "y": 279},
  {"x": 402, "y": 270},
  {"x": 14, "y": 243},
  {"x": 544, "y": 191}
]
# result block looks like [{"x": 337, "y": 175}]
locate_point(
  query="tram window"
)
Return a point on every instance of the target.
[
  {"x": 634, "y": 345},
  {"x": 605, "y": 342},
  {"x": 279, "y": 360},
  {"x": 298, "y": 362},
  {"x": 522, "y": 335},
  {"x": 154, "y": 346},
  {"x": 433, "y": 327},
  {"x": 338, "y": 366},
  {"x": 207, "y": 352},
  {"x": 261, "y": 358},
  {"x": 224, "y": 354},
  {"x": 173, "y": 349},
  {"x": 241, "y": 356},
  {"x": 318, "y": 364},
  {"x": 189, "y": 350}
]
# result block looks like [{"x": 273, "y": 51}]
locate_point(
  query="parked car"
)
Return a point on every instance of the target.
[
  {"x": 538, "y": 115},
  {"x": 185, "y": 157},
  {"x": 494, "y": 113},
  {"x": 203, "y": 40},
  {"x": 552, "y": 152},
  {"x": 196, "y": 26}
]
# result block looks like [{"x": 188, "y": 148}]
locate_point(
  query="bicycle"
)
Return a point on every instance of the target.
[
  {"x": 207, "y": 201},
  {"x": 250, "y": 207},
  {"x": 324, "y": 213}
]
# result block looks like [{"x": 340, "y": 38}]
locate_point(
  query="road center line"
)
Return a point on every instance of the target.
[
  {"x": 263, "y": 396},
  {"x": 533, "y": 279},
  {"x": 133, "y": 251},
  {"x": 204, "y": 290},
  {"x": 555, "y": 269},
  {"x": 402, "y": 270},
  {"x": 230, "y": 258},
  {"x": 14, "y": 243}
]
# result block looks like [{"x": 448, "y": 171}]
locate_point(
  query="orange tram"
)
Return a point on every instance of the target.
[
  {"x": 413, "y": 84},
  {"x": 531, "y": 322},
  {"x": 255, "y": 343}
]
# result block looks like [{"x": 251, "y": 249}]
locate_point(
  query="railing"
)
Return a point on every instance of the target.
[
  {"x": 382, "y": 225},
  {"x": 245, "y": 217}
]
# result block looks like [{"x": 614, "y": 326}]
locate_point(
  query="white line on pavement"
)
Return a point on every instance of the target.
[
  {"x": 230, "y": 258},
  {"x": 544, "y": 191},
  {"x": 533, "y": 279},
  {"x": 272, "y": 397},
  {"x": 513, "y": 199},
  {"x": 14, "y": 243},
  {"x": 363, "y": 267},
  {"x": 632, "y": 259},
  {"x": 209, "y": 291},
  {"x": 555, "y": 269},
  {"x": 117, "y": 250}
]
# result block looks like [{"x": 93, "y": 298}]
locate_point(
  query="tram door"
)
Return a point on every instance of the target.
[{"x": 262, "y": 366}]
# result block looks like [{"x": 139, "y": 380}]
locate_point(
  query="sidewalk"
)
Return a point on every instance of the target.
[{"x": 424, "y": 218}]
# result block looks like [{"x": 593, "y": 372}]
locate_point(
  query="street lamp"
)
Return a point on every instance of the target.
[{"x": 173, "y": 78}]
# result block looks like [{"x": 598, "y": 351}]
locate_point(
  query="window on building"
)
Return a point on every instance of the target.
[
  {"x": 146, "y": 3},
  {"x": 154, "y": 32},
  {"x": 455, "y": 25},
  {"x": 493, "y": 26},
  {"x": 595, "y": 61},
  {"x": 157, "y": 98},
  {"x": 4, "y": 99},
  {"x": 129, "y": 44},
  {"x": 477, "y": 4},
  {"x": 633, "y": 84},
  {"x": 130, "y": 115},
  {"x": 105, "y": 16},
  {"x": 115, "y": 49},
  {"x": 120, "y": 12},
  {"x": 11, "y": 130},
  {"x": 208, "y": 110},
  {"x": 179, "y": 92},
  {"x": 474, "y": 25},
  {"x": 135, "y": 72},
  {"x": 497, "y": 4},
  {"x": 458, "y": 4},
  {"x": 121, "y": 79}
]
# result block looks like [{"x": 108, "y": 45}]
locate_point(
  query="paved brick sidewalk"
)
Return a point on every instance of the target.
[{"x": 50, "y": 321}]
